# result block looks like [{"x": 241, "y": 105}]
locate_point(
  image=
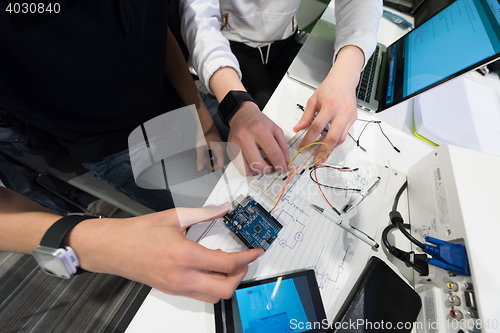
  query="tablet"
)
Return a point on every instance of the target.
[{"x": 285, "y": 303}]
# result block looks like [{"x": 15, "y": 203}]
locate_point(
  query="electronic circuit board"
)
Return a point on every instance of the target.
[{"x": 252, "y": 223}]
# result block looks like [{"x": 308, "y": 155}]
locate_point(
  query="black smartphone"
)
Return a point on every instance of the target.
[{"x": 285, "y": 303}]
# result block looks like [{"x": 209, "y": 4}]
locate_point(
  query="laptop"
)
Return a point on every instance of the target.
[{"x": 462, "y": 37}]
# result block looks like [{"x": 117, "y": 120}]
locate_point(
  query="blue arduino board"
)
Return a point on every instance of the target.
[{"x": 253, "y": 225}]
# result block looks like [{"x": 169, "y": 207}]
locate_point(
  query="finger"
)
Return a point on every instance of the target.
[
  {"x": 336, "y": 132},
  {"x": 275, "y": 154},
  {"x": 307, "y": 116},
  {"x": 242, "y": 166},
  {"x": 314, "y": 130},
  {"x": 254, "y": 158},
  {"x": 248, "y": 169},
  {"x": 191, "y": 294},
  {"x": 344, "y": 135},
  {"x": 219, "y": 158},
  {"x": 189, "y": 216},
  {"x": 238, "y": 160},
  {"x": 223, "y": 262},
  {"x": 216, "y": 151},
  {"x": 327, "y": 156},
  {"x": 203, "y": 297},
  {"x": 280, "y": 138},
  {"x": 220, "y": 285}
]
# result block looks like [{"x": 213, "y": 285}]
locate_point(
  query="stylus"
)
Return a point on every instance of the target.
[
  {"x": 355, "y": 232},
  {"x": 359, "y": 197}
]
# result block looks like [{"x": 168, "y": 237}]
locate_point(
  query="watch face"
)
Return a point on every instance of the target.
[{"x": 50, "y": 262}]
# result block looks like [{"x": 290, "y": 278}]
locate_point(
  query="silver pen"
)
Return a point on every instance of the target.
[
  {"x": 354, "y": 231},
  {"x": 359, "y": 197}
]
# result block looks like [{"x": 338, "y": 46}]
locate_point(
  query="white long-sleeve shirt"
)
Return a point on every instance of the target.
[{"x": 207, "y": 25}]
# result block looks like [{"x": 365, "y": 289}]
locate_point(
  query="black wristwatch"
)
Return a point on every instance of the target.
[
  {"x": 231, "y": 104},
  {"x": 53, "y": 257}
]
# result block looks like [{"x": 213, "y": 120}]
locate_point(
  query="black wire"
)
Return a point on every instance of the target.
[
  {"x": 399, "y": 224},
  {"x": 385, "y": 233},
  {"x": 398, "y": 195},
  {"x": 329, "y": 186},
  {"x": 409, "y": 236},
  {"x": 411, "y": 259}
]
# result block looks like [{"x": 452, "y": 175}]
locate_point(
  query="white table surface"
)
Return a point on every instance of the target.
[{"x": 166, "y": 313}]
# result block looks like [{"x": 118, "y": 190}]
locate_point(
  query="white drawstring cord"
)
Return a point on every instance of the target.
[
  {"x": 262, "y": 55},
  {"x": 267, "y": 55}
]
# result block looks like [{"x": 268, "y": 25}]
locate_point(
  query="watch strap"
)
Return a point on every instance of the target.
[
  {"x": 231, "y": 103},
  {"x": 54, "y": 236}
]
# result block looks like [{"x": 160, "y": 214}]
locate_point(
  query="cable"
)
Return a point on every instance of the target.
[
  {"x": 338, "y": 167},
  {"x": 385, "y": 240},
  {"x": 329, "y": 186},
  {"x": 317, "y": 160},
  {"x": 398, "y": 195},
  {"x": 357, "y": 142},
  {"x": 397, "y": 219},
  {"x": 393, "y": 146},
  {"x": 416, "y": 261},
  {"x": 383, "y": 133},
  {"x": 283, "y": 190},
  {"x": 359, "y": 136},
  {"x": 291, "y": 173},
  {"x": 321, "y": 191}
]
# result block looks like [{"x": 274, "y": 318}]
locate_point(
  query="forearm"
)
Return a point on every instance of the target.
[
  {"x": 348, "y": 65},
  {"x": 200, "y": 29},
  {"x": 22, "y": 222},
  {"x": 357, "y": 24},
  {"x": 224, "y": 80}
]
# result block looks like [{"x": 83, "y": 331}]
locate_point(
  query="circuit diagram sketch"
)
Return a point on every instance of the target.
[
  {"x": 293, "y": 232},
  {"x": 324, "y": 277}
]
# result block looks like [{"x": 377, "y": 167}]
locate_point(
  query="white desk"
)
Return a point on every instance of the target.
[{"x": 165, "y": 313}]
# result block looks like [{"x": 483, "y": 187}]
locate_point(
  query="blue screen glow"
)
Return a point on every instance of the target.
[{"x": 463, "y": 34}]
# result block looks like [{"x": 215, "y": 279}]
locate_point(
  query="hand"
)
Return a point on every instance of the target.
[
  {"x": 153, "y": 249},
  {"x": 335, "y": 103},
  {"x": 252, "y": 130}
]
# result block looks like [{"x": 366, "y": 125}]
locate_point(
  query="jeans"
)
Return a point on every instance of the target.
[{"x": 116, "y": 169}]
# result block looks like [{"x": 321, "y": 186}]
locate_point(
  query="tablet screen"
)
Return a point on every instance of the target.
[{"x": 289, "y": 303}]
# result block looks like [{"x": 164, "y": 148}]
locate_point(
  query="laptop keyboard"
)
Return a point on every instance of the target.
[{"x": 364, "y": 89}]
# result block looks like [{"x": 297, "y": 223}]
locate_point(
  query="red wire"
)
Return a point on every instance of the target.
[
  {"x": 284, "y": 188},
  {"x": 323, "y": 194}
]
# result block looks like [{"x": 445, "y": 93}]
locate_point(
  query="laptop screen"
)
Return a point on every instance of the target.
[{"x": 461, "y": 37}]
